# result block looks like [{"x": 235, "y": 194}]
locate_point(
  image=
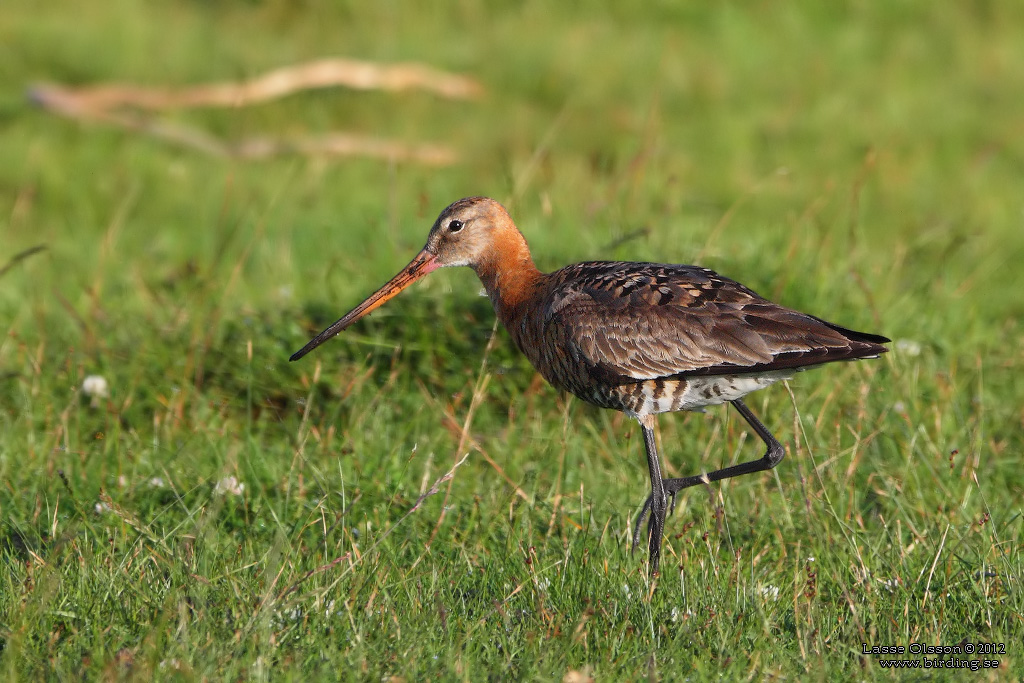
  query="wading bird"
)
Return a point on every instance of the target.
[{"x": 643, "y": 338}]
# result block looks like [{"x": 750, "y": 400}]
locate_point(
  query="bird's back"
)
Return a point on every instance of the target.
[{"x": 653, "y": 337}]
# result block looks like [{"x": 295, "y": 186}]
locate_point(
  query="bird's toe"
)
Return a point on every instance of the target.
[{"x": 640, "y": 522}]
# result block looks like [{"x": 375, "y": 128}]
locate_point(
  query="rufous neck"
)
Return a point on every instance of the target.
[{"x": 508, "y": 272}]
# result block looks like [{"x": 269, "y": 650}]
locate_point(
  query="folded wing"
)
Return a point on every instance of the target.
[{"x": 640, "y": 321}]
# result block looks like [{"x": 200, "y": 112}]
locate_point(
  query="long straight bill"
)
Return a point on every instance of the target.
[{"x": 424, "y": 263}]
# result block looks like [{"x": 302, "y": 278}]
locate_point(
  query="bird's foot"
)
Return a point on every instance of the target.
[
  {"x": 645, "y": 510},
  {"x": 672, "y": 487}
]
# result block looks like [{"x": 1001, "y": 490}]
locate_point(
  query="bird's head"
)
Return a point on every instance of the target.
[
  {"x": 475, "y": 232},
  {"x": 469, "y": 232}
]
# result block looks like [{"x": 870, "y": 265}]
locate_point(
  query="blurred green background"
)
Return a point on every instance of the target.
[{"x": 860, "y": 161}]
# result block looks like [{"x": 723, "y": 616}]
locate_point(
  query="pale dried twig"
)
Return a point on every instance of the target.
[
  {"x": 120, "y": 104},
  {"x": 59, "y": 101},
  {"x": 320, "y": 73}
]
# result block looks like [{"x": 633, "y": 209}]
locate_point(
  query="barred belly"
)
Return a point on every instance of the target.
[{"x": 663, "y": 396}]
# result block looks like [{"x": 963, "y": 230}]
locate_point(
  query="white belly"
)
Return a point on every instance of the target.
[{"x": 697, "y": 392}]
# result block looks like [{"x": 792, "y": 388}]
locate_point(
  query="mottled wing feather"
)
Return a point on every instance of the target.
[{"x": 643, "y": 321}]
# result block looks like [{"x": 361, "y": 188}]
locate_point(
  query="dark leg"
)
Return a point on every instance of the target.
[
  {"x": 657, "y": 501},
  {"x": 772, "y": 457}
]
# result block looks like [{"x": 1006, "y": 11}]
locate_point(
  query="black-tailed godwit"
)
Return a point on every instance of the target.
[{"x": 643, "y": 338}]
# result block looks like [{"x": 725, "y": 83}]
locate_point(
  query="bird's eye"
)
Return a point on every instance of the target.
[{"x": 455, "y": 225}]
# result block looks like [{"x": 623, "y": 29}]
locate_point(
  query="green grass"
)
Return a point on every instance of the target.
[{"x": 861, "y": 161}]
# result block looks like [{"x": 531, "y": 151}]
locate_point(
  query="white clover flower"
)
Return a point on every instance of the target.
[
  {"x": 908, "y": 347},
  {"x": 96, "y": 388},
  {"x": 679, "y": 615},
  {"x": 229, "y": 485},
  {"x": 889, "y": 584},
  {"x": 769, "y": 592}
]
